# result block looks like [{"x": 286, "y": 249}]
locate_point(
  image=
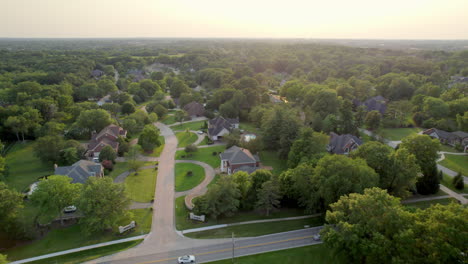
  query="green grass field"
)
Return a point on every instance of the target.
[
  {"x": 182, "y": 221},
  {"x": 24, "y": 167},
  {"x": 426, "y": 204},
  {"x": 259, "y": 229},
  {"x": 203, "y": 155},
  {"x": 183, "y": 182},
  {"x": 140, "y": 187},
  {"x": 168, "y": 120},
  {"x": 119, "y": 168},
  {"x": 456, "y": 163},
  {"x": 72, "y": 237},
  {"x": 448, "y": 148},
  {"x": 90, "y": 254},
  {"x": 315, "y": 254},
  {"x": 204, "y": 141},
  {"x": 186, "y": 138},
  {"x": 270, "y": 158},
  {"x": 399, "y": 133},
  {"x": 190, "y": 126}
]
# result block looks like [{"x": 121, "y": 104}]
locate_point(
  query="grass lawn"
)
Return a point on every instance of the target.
[
  {"x": 119, "y": 168},
  {"x": 24, "y": 167},
  {"x": 259, "y": 229},
  {"x": 399, "y": 133},
  {"x": 249, "y": 127},
  {"x": 186, "y": 138},
  {"x": 316, "y": 254},
  {"x": 270, "y": 158},
  {"x": 203, "y": 155},
  {"x": 182, "y": 221},
  {"x": 183, "y": 182},
  {"x": 447, "y": 182},
  {"x": 169, "y": 119},
  {"x": 190, "y": 126},
  {"x": 72, "y": 237},
  {"x": 448, "y": 148},
  {"x": 456, "y": 163},
  {"x": 426, "y": 204},
  {"x": 204, "y": 141},
  {"x": 90, "y": 254},
  {"x": 141, "y": 187}
]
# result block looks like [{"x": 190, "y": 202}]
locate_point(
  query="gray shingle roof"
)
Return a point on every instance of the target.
[
  {"x": 236, "y": 155},
  {"x": 338, "y": 143},
  {"x": 217, "y": 124},
  {"x": 80, "y": 171}
]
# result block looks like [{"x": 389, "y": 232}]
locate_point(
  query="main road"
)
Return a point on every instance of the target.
[{"x": 164, "y": 244}]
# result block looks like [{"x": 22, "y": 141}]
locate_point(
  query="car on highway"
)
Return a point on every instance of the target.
[{"x": 186, "y": 259}]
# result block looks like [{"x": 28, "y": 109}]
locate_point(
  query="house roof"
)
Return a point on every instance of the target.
[
  {"x": 194, "y": 109},
  {"x": 80, "y": 171},
  {"x": 107, "y": 136},
  {"x": 460, "y": 134},
  {"x": 376, "y": 103},
  {"x": 236, "y": 155},
  {"x": 97, "y": 73},
  {"x": 441, "y": 133},
  {"x": 217, "y": 124},
  {"x": 339, "y": 143}
]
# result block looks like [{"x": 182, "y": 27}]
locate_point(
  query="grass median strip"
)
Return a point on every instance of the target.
[
  {"x": 186, "y": 138},
  {"x": 188, "y": 176},
  {"x": 203, "y": 155},
  {"x": 141, "y": 186}
]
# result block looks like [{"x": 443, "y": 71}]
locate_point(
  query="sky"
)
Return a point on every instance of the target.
[{"x": 337, "y": 19}]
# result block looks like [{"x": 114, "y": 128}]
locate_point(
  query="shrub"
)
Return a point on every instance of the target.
[
  {"x": 189, "y": 173},
  {"x": 191, "y": 148},
  {"x": 214, "y": 153},
  {"x": 458, "y": 182},
  {"x": 108, "y": 165}
]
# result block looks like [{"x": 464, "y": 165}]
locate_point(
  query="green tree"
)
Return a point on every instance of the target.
[
  {"x": 94, "y": 120},
  {"x": 435, "y": 107},
  {"x": 243, "y": 182},
  {"x": 369, "y": 228},
  {"x": 11, "y": 202},
  {"x": 296, "y": 183},
  {"x": 103, "y": 203},
  {"x": 268, "y": 197},
  {"x": 221, "y": 198},
  {"x": 149, "y": 138},
  {"x": 458, "y": 182},
  {"x": 372, "y": 120},
  {"x": 55, "y": 193},
  {"x": 132, "y": 158},
  {"x": 310, "y": 146},
  {"x": 177, "y": 88},
  {"x": 128, "y": 108},
  {"x": 181, "y": 116},
  {"x": 49, "y": 148},
  {"x": 106, "y": 86},
  {"x": 18, "y": 125},
  {"x": 107, "y": 153},
  {"x": 68, "y": 156},
  {"x": 337, "y": 175}
]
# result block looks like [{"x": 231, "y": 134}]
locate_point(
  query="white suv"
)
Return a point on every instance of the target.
[{"x": 186, "y": 259}]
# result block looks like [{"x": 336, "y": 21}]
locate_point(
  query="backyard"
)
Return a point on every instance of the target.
[
  {"x": 203, "y": 155},
  {"x": 72, "y": 237},
  {"x": 456, "y": 163},
  {"x": 186, "y": 138},
  {"x": 21, "y": 176},
  {"x": 395, "y": 134},
  {"x": 270, "y": 158},
  {"x": 140, "y": 187},
  {"x": 197, "y": 125},
  {"x": 183, "y": 180}
]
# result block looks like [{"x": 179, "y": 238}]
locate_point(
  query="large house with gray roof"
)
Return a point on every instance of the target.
[
  {"x": 449, "y": 138},
  {"x": 81, "y": 170},
  {"x": 343, "y": 144},
  {"x": 220, "y": 126},
  {"x": 237, "y": 159}
]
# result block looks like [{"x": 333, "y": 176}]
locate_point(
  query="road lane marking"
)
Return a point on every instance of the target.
[{"x": 229, "y": 249}]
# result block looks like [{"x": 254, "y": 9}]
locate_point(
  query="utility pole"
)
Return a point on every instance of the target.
[{"x": 233, "y": 245}]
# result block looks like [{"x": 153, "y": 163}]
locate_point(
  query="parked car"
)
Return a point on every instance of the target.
[
  {"x": 200, "y": 132},
  {"x": 69, "y": 209},
  {"x": 186, "y": 259}
]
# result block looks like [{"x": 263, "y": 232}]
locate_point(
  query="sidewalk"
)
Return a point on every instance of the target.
[
  {"x": 79, "y": 249},
  {"x": 454, "y": 195}
]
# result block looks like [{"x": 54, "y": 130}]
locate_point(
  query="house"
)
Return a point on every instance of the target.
[
  {"x": 377, "y": 103},
  {"x": 457, "y": 79},
  {"x": 449, "y": 138},
  {"x": 237, "y": 159},
  {"x": 343, "y": 144},
  {"x": 107, "y": 137},
  {"x": 194, "y": 109},
  {"x": 81, "y": 170},
  {"x": 97, "y": 74},
  {"x": 220, "y": 126}
]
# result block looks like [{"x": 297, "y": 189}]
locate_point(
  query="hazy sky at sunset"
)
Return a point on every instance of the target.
[{"x": 395, "y": 19}]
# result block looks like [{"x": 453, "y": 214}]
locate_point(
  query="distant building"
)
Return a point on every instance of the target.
[
  {"x": 81, "y": 170},
  {"x": 107, "y": 137},
  {"x": 377, "y": 103},
  {"x": 343, "y": 144},
  {"x": 237, "y": 159},
  {"x": 97, "y": 74},
  {"x": 194, "y": 109},
  {"x": 457, "y": 79},
  {"x": 220, "y": 126},
  {"x": 449, "y": 138}
]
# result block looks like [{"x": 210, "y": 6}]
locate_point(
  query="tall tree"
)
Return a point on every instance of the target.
[
  {"x": 310, "y": 146},
  {"x": 132, "y": 158},
  {"x": 48, "y": 148},
  {"x": 11, "y": 202},
  {"x": 102, "y": 203},
  {"x": 55, "y": 193},
  {"x": 372, "y": 120},
  {"x": 268, "y": 197},
  {"x": 94, "y": 120},
  {"x": 107, "y": 153},
  {"x": 149, "y": 138}
]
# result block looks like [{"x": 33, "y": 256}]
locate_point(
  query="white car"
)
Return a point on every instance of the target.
[
  {"x": 186, "y": 259},
  {"x": 69, "y": 209},
  {"x": 200, "y": 132}
]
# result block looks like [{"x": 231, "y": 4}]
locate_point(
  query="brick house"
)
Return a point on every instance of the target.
[{"x": 237, "y": 159}]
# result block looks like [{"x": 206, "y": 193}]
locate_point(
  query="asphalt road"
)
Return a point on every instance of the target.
[{"x": 242, "y": 247}]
